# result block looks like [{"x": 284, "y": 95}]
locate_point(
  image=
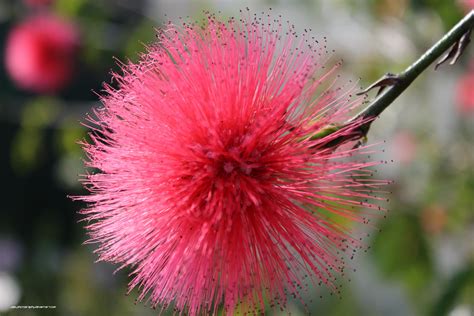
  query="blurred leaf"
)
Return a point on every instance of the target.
[
  {"x": 40, "y": 112},
  {"x": 453, "y": 290},
  {"x": 69, "y": 7},
  {"x": 141, "y": 35},
  {"x": 402, "y": 252},
  {"x": 25, "y": 153},
  {"x": 68, "y": 135},
  {"x": 462, "y": 210},
  {"x": 449, "y": 11}
]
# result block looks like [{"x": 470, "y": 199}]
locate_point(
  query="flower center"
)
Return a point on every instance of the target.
[{"x": 229, "y": 165}]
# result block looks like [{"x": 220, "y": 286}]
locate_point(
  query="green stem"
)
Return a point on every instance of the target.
[
  {"x": 414, "y": 70},
  {"x": 405, "y": 78}
]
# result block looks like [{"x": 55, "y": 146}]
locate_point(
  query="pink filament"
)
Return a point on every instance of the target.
[{"x": 209, "y": 188}]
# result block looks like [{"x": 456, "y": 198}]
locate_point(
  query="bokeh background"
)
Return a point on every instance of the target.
[{"x": 420, "y": 263}]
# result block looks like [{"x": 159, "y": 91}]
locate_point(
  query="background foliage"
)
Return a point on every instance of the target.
[{"x": 421, "y": 261}]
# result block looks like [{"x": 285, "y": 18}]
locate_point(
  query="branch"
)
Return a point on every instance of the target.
[{"x": 457, "y": 38}]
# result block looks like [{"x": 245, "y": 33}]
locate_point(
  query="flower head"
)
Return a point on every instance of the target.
[
  {"x": 40, "y": 53},
  {"x": 218, "y": 183}
]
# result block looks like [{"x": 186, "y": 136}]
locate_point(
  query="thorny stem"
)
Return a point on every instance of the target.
[{"x": 405, "y": 78}]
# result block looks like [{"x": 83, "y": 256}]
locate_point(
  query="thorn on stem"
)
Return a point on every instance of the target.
[
  {"x": 388, "y": 79},
  {"x": 456, "y": 50}
]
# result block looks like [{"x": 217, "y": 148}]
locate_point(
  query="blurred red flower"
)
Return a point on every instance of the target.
[
  {"x": 465, "y": 93},
  {"x": 467, "y": 4},
  {"x": 40, "y": 53}
]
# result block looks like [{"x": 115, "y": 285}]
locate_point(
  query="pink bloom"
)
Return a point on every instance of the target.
[
  {"x": 40, "y": 53},
  {"x": 209, "y": 186},
  {"x": 465, "y": 93}
]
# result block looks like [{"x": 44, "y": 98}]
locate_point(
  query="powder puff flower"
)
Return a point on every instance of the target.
[
  {"x": 40, "y": 53},
  {"x": 216, "y": 179}
]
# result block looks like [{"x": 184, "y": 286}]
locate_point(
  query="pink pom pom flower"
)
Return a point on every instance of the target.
[
  {"x": 217, "y": 182},
  {"x": 40, "y": 53}
]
